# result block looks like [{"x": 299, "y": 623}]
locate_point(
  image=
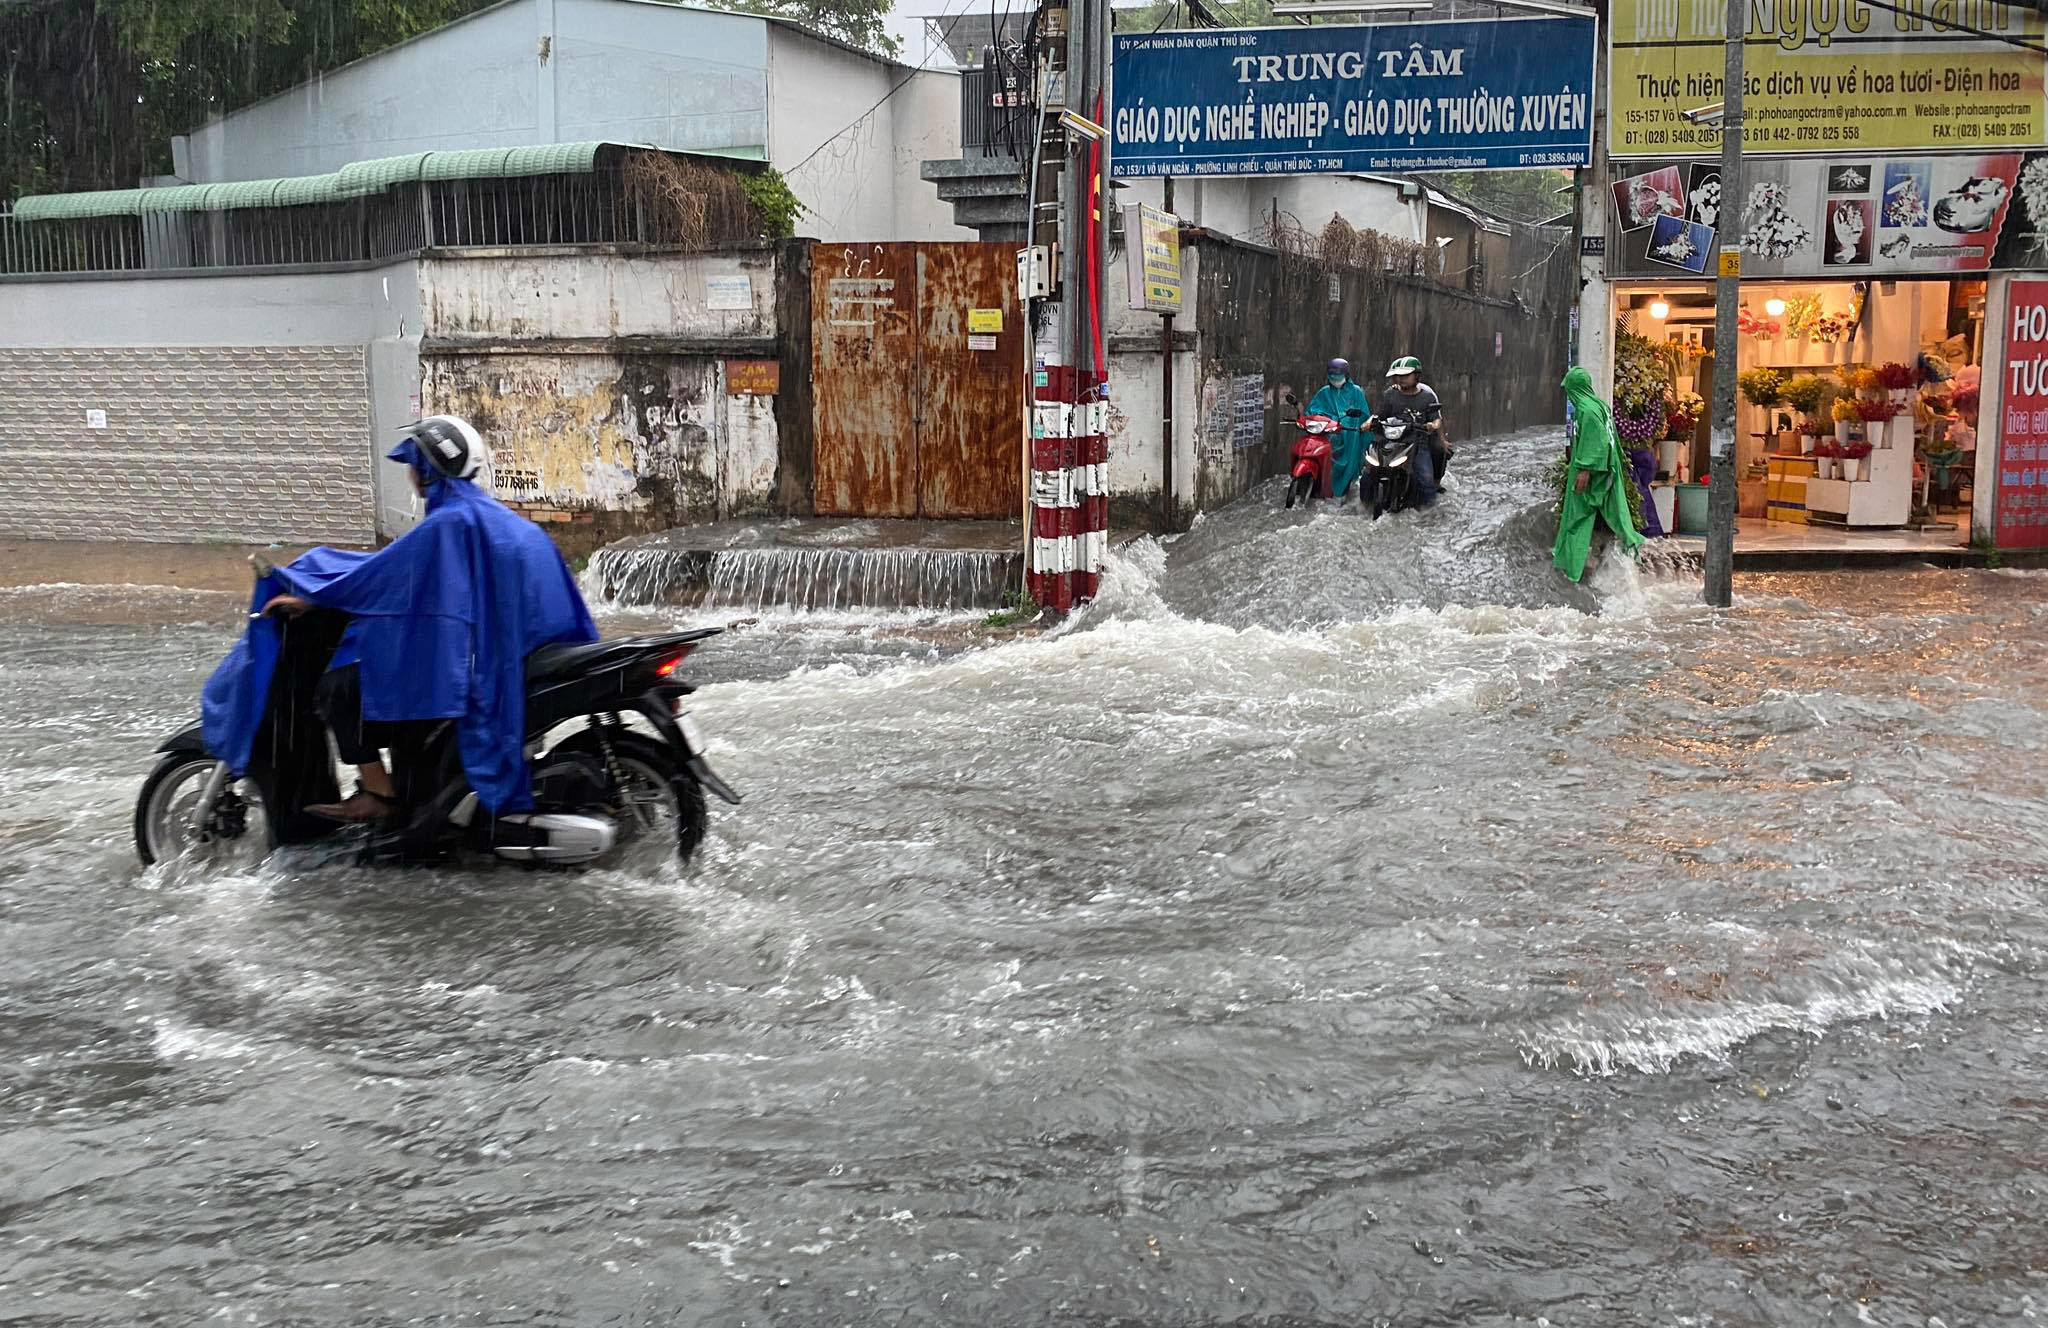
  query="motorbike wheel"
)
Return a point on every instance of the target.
[
  {"x": 660, "y": 792},
  {"x": 165, "y": 809},
  {"x": 1298, "y": 492}
]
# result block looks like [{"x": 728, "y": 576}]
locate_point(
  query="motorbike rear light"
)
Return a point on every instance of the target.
[{"x": 667, "y": 668}]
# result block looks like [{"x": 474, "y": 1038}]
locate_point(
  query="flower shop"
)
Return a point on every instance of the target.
[{"x": 1857, "y": 402}]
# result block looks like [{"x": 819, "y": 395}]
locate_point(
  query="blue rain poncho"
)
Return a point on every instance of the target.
[{"x": 440, "y": 621}]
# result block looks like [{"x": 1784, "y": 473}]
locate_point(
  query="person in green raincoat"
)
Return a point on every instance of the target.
[
  {"x": 1343, "y": 400},
  {"x": 1593, "y": 490}
]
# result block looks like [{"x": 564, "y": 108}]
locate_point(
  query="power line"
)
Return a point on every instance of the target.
[{"x": 857, "y": 120}]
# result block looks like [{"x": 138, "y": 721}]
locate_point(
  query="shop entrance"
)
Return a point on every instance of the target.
[{"x": 1856, "y": 409}]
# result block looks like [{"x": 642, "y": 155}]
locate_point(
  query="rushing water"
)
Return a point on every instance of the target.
[{"x": 1335, "y": 925}]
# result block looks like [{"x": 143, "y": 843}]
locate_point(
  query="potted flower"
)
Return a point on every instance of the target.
[
  {"x": 1864, "y": 381},
  {"x": 1681, "y": 418},
  {"x": 1761, "y": 387},
  {"x": 1847, "y": 421},
  {"x": 1804, "y": 393},
  {"x": 1897, "y": 381},
  {"x": 1879, "y": 412},
  {"x": 1853, "y": 454},
  {"x": 1827, "y": 454}
]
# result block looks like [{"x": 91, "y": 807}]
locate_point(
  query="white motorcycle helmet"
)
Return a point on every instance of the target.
[{"x": 452, "y": 446}]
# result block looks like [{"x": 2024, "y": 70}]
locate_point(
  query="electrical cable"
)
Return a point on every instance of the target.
[{"x": 862, "y": 117}]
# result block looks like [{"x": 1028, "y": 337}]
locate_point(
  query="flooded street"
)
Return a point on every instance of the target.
[{"x": 1335, "y": 924}]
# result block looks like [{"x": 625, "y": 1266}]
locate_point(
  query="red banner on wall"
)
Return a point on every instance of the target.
[{"x": 2022, "y": 519}]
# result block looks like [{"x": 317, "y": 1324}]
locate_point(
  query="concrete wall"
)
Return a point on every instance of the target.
[
  {"x": 1255, "y": 317},
  {"x": 602, "y": 384},
  {"x": 473, "y": 83},
  {"x": 684, "y": 79},
  {"x": 1244, "y": 208},
  {"x": 202, "y": 379},
  {"x": 850, "y": 149}
]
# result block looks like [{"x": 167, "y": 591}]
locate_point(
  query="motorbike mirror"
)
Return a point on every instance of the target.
[
  {"x": 1289, "y": 399},
  {"x": 263, "y": 566}
]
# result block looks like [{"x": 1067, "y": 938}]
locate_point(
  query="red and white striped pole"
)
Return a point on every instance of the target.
[{"x": 1069, "y": 487}]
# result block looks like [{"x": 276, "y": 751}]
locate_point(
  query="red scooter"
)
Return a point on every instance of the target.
[{"x": 1311, "y": 459}]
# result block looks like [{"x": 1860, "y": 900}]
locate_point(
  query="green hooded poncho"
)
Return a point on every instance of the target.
[{"x": 1596, "y": 451}]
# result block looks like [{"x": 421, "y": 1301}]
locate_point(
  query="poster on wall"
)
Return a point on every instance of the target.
[
  {"x": 2022, "y": 489},
  {"x": 1501, "y": 94},
  {"x": 1837, "y": 218},
  {"x": 1827, "y": 77}
]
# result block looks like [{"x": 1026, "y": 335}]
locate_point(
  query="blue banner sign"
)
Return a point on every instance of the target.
[{"x": 1491, "y": 95}]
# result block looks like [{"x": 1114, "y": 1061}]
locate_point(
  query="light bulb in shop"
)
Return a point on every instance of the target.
[
  {"x": 1775, "y": 308},
  {"x": 1659, "y": 309}
]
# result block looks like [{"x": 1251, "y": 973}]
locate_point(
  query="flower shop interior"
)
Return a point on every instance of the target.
[{"x": 1856, "y": 413}]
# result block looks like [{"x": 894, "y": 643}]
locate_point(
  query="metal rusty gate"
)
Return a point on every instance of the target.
[{"x": 917, "y": 365}]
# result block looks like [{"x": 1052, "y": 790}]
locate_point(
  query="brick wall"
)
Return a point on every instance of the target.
[{"x": 244, "y": 444}]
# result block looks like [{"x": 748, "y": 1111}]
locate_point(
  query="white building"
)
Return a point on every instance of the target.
[{"x": 848, "y": 129}]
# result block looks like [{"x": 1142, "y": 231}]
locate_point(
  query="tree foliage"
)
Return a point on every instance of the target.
[
  {"x": 94, "y": 90},
  {"x": 855, "y": 22},
  {"x": 1521, "y": 195}
]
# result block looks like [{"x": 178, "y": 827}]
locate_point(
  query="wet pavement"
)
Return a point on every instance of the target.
[{"x": 1336, "y": 924}]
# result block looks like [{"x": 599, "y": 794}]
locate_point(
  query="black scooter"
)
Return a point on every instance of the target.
[
  {"x": 597, "y": 791},
  {"x": 1390, "y": 464}
]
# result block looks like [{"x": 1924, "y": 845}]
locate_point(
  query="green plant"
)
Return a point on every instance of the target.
[
  {"x": 774, "y": 205},
  {"x": 1640, "y": 374},
  {"x": 1761, "y": 387},
  {"x": 1805, "y": 392},
  {"x": 1018, "y": 608},
  {"x": 1558, "y": 475}
]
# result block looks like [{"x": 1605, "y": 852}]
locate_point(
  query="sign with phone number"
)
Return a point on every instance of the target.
[{"x": 1828, "y": 77}]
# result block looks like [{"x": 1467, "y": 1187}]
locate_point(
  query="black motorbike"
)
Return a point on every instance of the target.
[
  {"x": 599, "y": 790},
  {"x": 1390, "y": 464}
]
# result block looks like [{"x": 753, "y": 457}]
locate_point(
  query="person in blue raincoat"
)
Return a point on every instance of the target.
[
  {"x": 440, "y": 624},
  {"x": 1343, "y": 400}
]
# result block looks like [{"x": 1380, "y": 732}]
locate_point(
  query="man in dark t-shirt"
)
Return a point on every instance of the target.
[{"x": 1408, "y": 397}]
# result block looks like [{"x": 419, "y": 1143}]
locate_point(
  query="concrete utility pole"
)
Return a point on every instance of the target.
[
  {"x": 1081, "y": 241},
  {"x": 1721, "y": 478}
]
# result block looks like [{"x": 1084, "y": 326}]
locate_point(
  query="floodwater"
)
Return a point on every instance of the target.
[{"x": 1334, "y": 925}]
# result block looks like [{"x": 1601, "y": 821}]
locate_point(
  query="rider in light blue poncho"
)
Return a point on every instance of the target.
[{"x": 1343, "y": 400}]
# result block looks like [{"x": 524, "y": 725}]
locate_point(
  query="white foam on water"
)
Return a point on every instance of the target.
[{"x": 1653, "y": 1044}]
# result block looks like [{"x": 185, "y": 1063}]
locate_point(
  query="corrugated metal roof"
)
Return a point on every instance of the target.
[{"x": 355, "y": 180}]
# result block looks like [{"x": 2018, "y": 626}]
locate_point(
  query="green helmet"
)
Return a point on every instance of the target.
[{"x": 1407, "y": 364}]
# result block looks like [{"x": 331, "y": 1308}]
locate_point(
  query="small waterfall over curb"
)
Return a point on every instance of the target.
[{"x": 828, "y": 579}]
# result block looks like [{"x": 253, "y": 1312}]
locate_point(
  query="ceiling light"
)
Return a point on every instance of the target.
[
  {"x": 1659, "y": 309},
  {"x": 1774, "y": 307}
]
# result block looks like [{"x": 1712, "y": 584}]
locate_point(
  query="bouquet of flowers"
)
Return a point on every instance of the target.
[
  {"x": 1761, "y": 387},
  {"x": 1904, "y": 205},
  {"x": 1831, "y": 328},
  {"x": 1755, "y": 325},
  {"x": 1855, "y": 449},
  {"x": 1865, "y": 380},
  {"x": 1894, "y": 376},
  {"x": 1878, "y": 411},
  {"x": 1682, "y": 414},
  {"x": 1773, "y": 231},
  {"x": 1640, "y": 430},
  {"x": 1827, "y": 447},
  {"x": 1844, "y": 411}
]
